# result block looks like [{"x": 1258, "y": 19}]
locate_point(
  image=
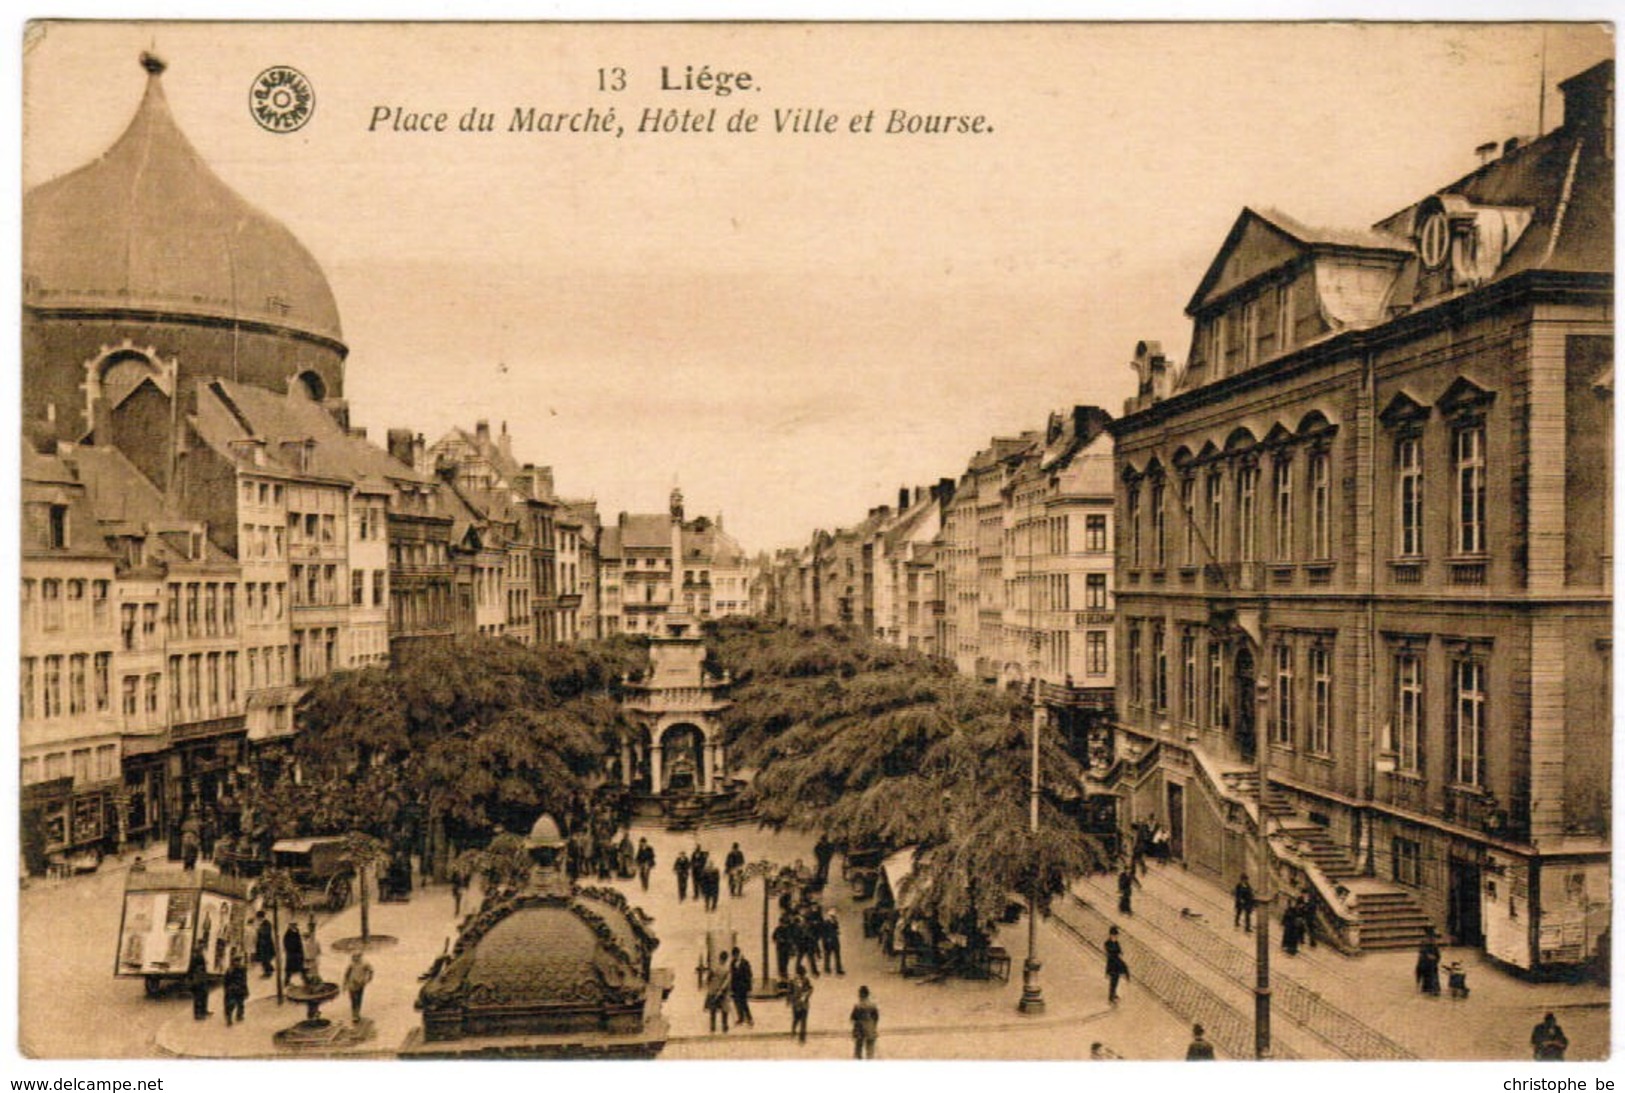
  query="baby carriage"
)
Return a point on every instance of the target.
[{"x": 1458, "y": 979}]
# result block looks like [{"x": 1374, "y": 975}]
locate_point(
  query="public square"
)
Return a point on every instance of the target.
[{"x": 1187, "y": 964}]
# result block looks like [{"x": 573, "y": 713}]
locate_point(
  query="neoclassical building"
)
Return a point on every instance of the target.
[{"x": 1366, "y": 536}]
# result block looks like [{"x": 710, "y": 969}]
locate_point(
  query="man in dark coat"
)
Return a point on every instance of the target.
[
  {"x": 800, "y": 999},
  {"x": 1427, "y": 965},
  {"x": 197, "y": 982},
  {"x": 236, "y": 986},
  {"x": 734, "y": 864},
  {"x": 784, "y": 945},
  {"x": 1291, "y": 927},
  {"x": 681, "y": 867},
  {"x": 865, "y": 1026},
  {"x": 1125, "y": 890},
  {"x": 646, "y": 862},
  {"x": 1200, "y": 1049},
  {"x": 264, "y": 945},
  {"x": 823, "y": 851},
  {"x": 293, "y": 954},
  {"x": 1116, "y": 966},
  {"x": 1245, "y": 901},
  {"x": 741, "y": 979},
  {"x": 1548, "y": 1041}
]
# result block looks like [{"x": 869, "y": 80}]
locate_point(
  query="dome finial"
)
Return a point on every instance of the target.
[{"x": 153, "y": 63}]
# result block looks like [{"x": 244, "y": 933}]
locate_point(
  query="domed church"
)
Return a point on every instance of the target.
[{"x": 144, "y": 264}]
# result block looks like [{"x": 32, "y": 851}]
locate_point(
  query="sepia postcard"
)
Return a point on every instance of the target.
[{"x": 749, "y": 541}]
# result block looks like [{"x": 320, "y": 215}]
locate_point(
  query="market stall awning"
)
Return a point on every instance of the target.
[{"x": 898, "y": 871}]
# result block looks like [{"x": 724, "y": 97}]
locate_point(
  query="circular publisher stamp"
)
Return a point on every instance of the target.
[{"x": 281, "y": 99}]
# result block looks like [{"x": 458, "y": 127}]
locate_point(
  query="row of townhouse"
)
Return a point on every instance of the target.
[
  {"x": 204, "y": 534},
  {"x": 651, "y": 565},
  {"x": 1006, "y": 571},
  {"x": 1365, "y": 561}
]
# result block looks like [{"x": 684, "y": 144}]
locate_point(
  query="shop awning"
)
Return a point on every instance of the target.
[{"x": 898, "y": 870}]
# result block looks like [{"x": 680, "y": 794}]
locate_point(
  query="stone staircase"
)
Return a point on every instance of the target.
[{"x": 1389, "y": 915}]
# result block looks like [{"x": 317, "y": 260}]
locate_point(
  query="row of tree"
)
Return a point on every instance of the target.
[{"x": 875, "y": 746}]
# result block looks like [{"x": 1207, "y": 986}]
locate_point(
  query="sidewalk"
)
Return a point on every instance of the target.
[
  {"x": 1377, "y": 989},
  {"x": 920, "y": 1019}
]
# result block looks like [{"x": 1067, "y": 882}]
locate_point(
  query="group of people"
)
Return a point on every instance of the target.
[
  {"x": 706, "y": 876},
  {"x": 1297, "y": 922},
  {"x": 729, "y": 981},
  {"x": 808, "y": 935},
  {"x": 301, "y": 954}
]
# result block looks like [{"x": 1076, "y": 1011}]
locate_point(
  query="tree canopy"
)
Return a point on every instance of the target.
[
  {"x": 476, "y": 733},
  {"x": 882, "y": 747}
]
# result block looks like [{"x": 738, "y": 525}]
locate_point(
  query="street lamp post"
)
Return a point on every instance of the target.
[
  {"x": 1266, "y": 885},
  {"x": 1032, "y": 993}
]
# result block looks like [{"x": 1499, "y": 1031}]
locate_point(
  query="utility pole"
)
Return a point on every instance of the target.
[
  {"x": 1032, "y": 992},
  {"x": 1266, "y": 883}
]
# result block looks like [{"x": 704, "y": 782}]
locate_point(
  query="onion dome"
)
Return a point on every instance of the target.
[
  {"x": 148, "y": 228},
  {"x": 543, "y": 965}
]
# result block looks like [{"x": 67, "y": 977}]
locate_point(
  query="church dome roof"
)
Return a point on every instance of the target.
[{"x": 148, "y": 227}]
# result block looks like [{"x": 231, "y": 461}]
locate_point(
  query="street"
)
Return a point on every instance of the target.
[{"x": 1188, "y": 965}]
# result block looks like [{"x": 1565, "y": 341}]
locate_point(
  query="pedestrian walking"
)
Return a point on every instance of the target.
[
  {"x": 356, "y": 977},
  {"x": 832, "y": 941},
  {"x": 1427, "y": 965},
  {"x": 698, "y": 860},
  {"x": 800, "y": 999},
  {"x": 865, "y": 1026},
  {"x": 680, "y": 867},
  {"x": 734, "y": 864},
  {"x": 1245, "y": 901},
  {"x": 1116, "y": 966},
  {"x": 293, "y": 955},
  {"x": 235, "y": 983},
  {"x": 264, "y": 945},
  {"x": 1548, "y": 1041},
  {"x": 313, "y": 953},
  {"x": 713, "y": 886},
  {"x": 740, "y": 980},
  {"x": 717, "y": 986},
  {"x": 1126, "y": 880},
  {"x": 646, "y": 862},
  {"x": 198, "y": 983},
  {"x": 1200, "y": 1050}
]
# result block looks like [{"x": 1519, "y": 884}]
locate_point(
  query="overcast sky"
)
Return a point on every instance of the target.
[{"x": 792, "y": 326}]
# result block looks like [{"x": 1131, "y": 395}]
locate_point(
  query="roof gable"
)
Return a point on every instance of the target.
[{"x": 1254, "y": 246}]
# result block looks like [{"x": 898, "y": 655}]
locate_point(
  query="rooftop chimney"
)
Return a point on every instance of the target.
[
  {"x": 482, "y": 432},
  {"x": 399, "y": 443},
  {"x": 1588, "y": 102},
  {"x": 902, "y": 498}
]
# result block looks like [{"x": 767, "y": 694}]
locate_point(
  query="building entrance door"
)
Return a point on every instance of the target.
[
  {"x": 1465, "y": 920},
  {"x": 1244, "y": 712}
]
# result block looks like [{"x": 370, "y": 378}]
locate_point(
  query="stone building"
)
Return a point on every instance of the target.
[{"x": 1366, "y": 546}]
